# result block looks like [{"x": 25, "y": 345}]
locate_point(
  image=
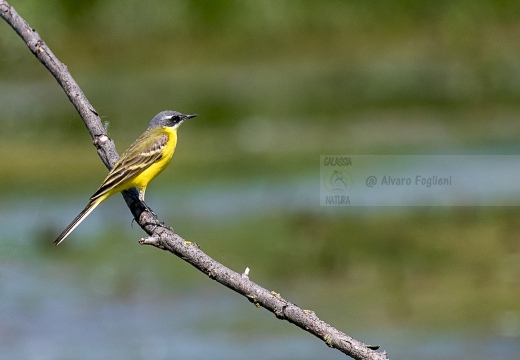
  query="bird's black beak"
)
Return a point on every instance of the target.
[{"x": 186, "y": 117}]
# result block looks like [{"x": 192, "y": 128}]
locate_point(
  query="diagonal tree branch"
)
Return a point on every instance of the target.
[{"x": 163, "y": 237}]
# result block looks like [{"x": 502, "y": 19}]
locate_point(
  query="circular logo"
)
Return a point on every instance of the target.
[{"x": 337, "y": 181}]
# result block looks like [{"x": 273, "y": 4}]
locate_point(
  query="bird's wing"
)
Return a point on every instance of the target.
[{"x": 137, "y": 158}]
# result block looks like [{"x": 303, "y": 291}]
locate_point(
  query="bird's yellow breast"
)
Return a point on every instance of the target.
[{"x": 155, "y": 169}]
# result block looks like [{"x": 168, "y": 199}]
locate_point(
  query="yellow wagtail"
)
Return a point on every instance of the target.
[{"x": 140, "y": 163}]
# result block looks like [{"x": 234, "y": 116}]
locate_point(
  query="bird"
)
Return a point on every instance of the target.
[{"x": 146, "y": 158}]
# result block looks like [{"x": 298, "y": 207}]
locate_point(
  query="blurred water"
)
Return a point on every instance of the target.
[
  {"x": 52, "y": 311},
  {"x": 43, "y": 315}
]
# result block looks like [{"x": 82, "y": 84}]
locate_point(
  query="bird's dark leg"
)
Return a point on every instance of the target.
[{"x": 141, "y": 199}]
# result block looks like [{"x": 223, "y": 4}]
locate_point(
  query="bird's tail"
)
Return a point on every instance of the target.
[{"x": 82, "y": 215}]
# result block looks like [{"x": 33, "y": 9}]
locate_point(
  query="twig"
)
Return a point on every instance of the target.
[{"x": 163, "y": 237}]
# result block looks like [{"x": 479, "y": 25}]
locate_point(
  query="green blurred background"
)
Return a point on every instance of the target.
[{"x": 276, "y": 84}]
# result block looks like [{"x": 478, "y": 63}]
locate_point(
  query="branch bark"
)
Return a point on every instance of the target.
[{"x": 162, "y": 236}]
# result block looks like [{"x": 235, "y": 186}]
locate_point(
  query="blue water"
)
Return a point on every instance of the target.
[
  {"x": 51, "y": 311},
  {"x": 44, "y": 314}
]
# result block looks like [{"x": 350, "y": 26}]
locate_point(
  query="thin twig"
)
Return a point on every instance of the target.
[{"x": 164, "y": 238}]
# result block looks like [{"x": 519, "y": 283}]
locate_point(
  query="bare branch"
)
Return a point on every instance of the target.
[
  {"x": 104, "y": 145},
  {"x": 162, "y": 236}
]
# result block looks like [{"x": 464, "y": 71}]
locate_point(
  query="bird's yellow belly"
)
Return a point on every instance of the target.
[
  {"x": 155, "y": 169},
  {"x": 146, "y": 176}
]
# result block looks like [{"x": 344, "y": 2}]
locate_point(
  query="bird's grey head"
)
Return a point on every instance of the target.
[{"x": 169, "y": 118}]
